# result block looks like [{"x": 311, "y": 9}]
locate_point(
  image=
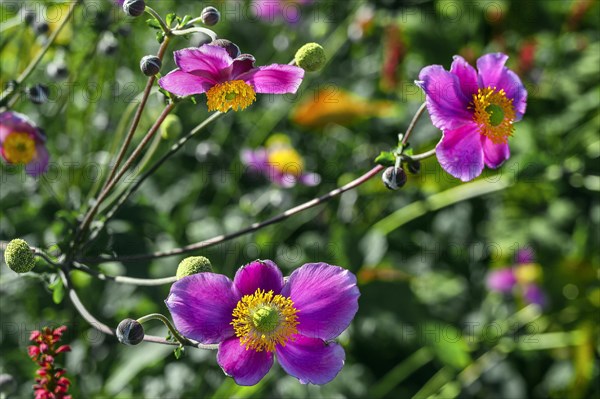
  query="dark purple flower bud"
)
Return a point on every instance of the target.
[
  {"x": 57, "y": 70},
  {"x": 394, "y": 178},
  {"x": 232, "y": 49},
  {"x": 38, "y": 94},
  {"x": 41, "y": 28},
  {"x": 150, "y": 65},
  {"x": 210, "y": 16},
  {"x": 130, "y": 332},
  {"x": 28, "y": 15},
  {"x": 414, "y": 167},
  {"x": 108, "y": 44},
  {"x": 134, "y": 8}
]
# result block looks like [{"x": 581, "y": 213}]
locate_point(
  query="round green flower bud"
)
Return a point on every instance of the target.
[
  {"x": 311, "y": 57},
  {"x": 171, "y": 127},
  {"x": 193, "y": 265},
  {"x": 130, "y": 332},
  {"x": 18, "y": 256}
]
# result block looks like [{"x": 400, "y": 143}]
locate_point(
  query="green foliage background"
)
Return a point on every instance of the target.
[{"x": 427, "y": 326}]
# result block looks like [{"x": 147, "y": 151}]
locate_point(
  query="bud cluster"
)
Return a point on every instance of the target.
[{"x": 50, "y": 381}]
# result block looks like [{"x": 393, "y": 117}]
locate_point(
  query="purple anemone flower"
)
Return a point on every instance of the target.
[
  {"x": 475, "y": 111},
  {"x": 22, "y": 143},
  {"x": 227, "y": 82},
  {"x": 532, "y": 293},
  {"x": 525, "y": 255},
  {"x": 280, "y": 163},
  {"x": 259, "y": 315},
  {"x": 119, "y": 2},
  {"x": 501, "y": 280}
]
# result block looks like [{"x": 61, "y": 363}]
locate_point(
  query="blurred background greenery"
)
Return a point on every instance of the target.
[{"x": 427, "y": 324}]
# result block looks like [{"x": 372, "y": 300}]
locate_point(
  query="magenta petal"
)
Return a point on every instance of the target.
[
  {"x": 247, "y": 367},
  {"x": 276, "y": 78},
  {"x": 39, "y": 164},
  {"x": 326, "y": 298},
  {"x": 185, "y": 84},
  {"x": 241, "y": 64},
  {"x": 501, "y": 280},
  {"x": 207, "y": 58},
  {"x": 491, "y": 68},
  {"x": 467, "y": 76},
  {"x": 460, "y": 152},
  {"x": 263, "y": 274},
  {"x": 256, "y": 160},
  {"x": 446, "y": 103},
  {"x": 310, "y": 179},
  {"x": 494, "y": 155},
  {"x": 202, "y": 306},
  {"x": 514, "y": 89},
  {"x": 311, "y": 360},
  {"x": 16, "y": 122},
  {"x": 493, "y": 73}
]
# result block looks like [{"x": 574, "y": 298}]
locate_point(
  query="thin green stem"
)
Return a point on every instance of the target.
[
  {"x": 413, "y": 123},
  {"x": 252, "y": 228},
  {"x": 5, "y": 96},
  {"x": 195, "y": 29},
  {"x": 124, "y": 279},
  {"x": 176, "y": 147},
  {"x": 157, "y": 316},
  {"x": 136, "y": 118},
  {"x": 161, "y": 22},
  {"x": 104, "y": 193},
  {"x": 420, "y": 157}
]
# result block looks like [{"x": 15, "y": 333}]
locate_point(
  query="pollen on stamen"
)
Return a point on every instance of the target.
[
  {"x": 494, "y": 113},
  {"x": 19, "y": 148},
  {"x": 235, "y": 94},
  {"x": 263, "y": 320}
]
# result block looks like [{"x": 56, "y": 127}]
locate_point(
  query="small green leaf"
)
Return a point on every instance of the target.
[
  {"x": 58, "y": 290},
  {"x": 184, "y": 20},
  {"x": 160, "y": 36},
  {"x": 410, "y": 152},
  {"x": 153, "y": 23},
  {"x": 170, "y": 18},
  {"x": 386, "y": 159},
  {"x": 178, "y": 352}
]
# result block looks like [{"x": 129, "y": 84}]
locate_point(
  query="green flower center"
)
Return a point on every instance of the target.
[
  {"x": 266, "y": 319},
  {"x": 496, "y": 114}
]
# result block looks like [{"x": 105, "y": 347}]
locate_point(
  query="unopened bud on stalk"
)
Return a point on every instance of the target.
[
  {"x": 130, "y": 332},
  {"x": 232, "y": 49},
  {"x": 41, "y": 28},
  {"x": 38, "y": 94},
  {"x": 134, "y": 8},
  {"x": 171, "y": 127},
  {"x": 210, "y": 16},
  {"x": 18, "y": 256},
  {"x": 311, "y": 57},
  {"x": 57, "y": 70},
  {"x": 394, "y": 178},
  {"x": 150, "y": 65},
  {"x": 193, "y": 265},
  {"x": 414, "y": 167}
]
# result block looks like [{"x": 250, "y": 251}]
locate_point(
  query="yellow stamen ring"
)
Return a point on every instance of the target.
[
  {"x": 263, "y": 320},
  {"x": 494, "y": 114},
  {"x": 234, "y": 94},
  {"x": 19, "y": 148}
]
